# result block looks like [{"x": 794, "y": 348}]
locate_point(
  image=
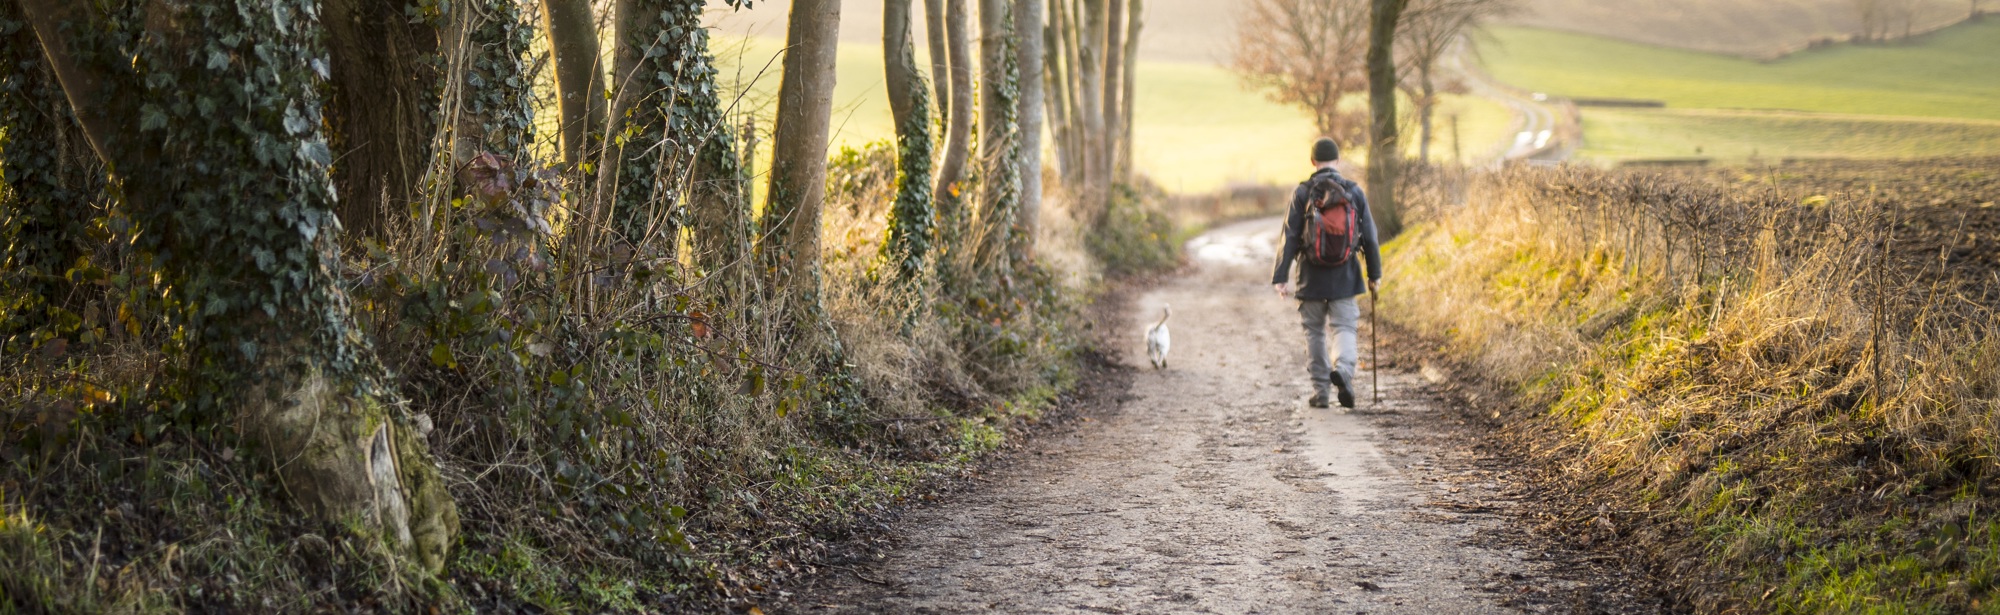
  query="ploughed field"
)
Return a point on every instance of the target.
[{"x": 1943, "y": 232}]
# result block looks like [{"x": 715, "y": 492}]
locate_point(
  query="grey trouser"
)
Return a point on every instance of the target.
[{"x": 1345, "y": 314}]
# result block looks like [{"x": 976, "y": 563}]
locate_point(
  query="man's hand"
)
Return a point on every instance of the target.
[
  {"x": 1371, "y": 286},
  {"x": 1284, "y": 289}
]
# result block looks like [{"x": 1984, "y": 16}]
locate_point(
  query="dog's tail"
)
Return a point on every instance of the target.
[{"x": 1166, "y": 312}]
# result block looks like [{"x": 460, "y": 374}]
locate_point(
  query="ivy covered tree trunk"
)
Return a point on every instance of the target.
[
  {"x": 789, "y": 250},
  {"x": 52, "y": 180},
  {"x": 385, "y": 81},
  {"x": 999, "y": 150},
  {"x": 571, "y": 27},
  {"x": 721, "y": 211},
  {"x": 627, "y": 179},
  {"x": 212, "y": 122},
  {"x": 489, "y": 105},
  {"x": 1029, "y": 18},
  {"x": 910, "y": 220},
  {"x": 666, "y": 126}
]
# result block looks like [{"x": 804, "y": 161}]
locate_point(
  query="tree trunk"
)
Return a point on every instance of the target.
[
  {"x": 571, "y": 27},
  {"x": 935, "y": 32},
  {"x": 1029, "y": 31},
  {"x": 1426, "y": 108},
  {"x": 797, "y": 192},
  {"x": 384, "y": 95},
  {"x": 665, "y": 112},
  {"x": 1114, "y": 91},
  {"x": 1385, "y": 149},
  {"x": 1059, "y": 99},
  {"x": 958, "y": 141},
  {"x": 626, "y": 177},
  {"x": 237, "y": 208},
  {"x": 490, "y": 113},
  {"x": 1090, "y": 49},
  {"x": 721, "y": 211},
  {"x": 53, "y": 180},
  {"x": 909, "y": 102},
  {"x": 1135, "y": 23},
  {"x": 999, "y": 151}
]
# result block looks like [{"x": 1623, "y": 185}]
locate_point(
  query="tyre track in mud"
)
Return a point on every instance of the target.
[{"x": 1213, "y": 488}]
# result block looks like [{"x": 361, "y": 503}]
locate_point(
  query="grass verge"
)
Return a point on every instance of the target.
[{"x": 1697, "y": 358}]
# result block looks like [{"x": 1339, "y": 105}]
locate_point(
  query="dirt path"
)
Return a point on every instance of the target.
[{"x": 1213, "y": 489}]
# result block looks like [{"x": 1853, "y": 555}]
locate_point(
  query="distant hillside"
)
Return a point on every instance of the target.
[
  {"x": 1757, "y": 28},
  {"x": 1201, "y": 30},
  {"x": 1934, "y": 97}
]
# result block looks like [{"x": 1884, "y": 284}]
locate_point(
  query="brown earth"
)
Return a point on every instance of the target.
[{"x": 1211, "y": 487}]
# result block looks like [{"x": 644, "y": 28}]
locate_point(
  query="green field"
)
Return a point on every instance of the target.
[
  {"x": 1746, "y": 135},
  {"x": 1939, "y": 96},
  {"x": 1199, "y": 129}
]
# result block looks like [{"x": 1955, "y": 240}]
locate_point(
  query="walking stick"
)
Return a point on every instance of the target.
[{"x": 1374, "y": 349}]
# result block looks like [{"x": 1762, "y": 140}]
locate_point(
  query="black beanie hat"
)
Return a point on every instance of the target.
[{"x": 1325, "y": 150}]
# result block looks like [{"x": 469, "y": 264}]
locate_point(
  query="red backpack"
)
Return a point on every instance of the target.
[{"x": 1332, "y": 229}]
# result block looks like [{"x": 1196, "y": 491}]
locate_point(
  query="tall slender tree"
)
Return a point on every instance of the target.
[
  {"x": 571, "y": 27},
  {"x": 1090, "y": 83},
  {"x": 937, "y": 36},
  {"x": 1430, "y": 30},
  {"x": 210, "y": 119},
  {"x": 1385, "y": 152},
  {"x": 999, "y": 148},
  {"x": 910, "y": 221},
  {"x": 1062, "y": 80},
  {"x": 1135, "y": 24},
  {"x": 790, "y": 246},
  {"x": 1029, "y": 23},
  {"x": 958, "y": 137},
  {"x": 1114, "y": 90}
]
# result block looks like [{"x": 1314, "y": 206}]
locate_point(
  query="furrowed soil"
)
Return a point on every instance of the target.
[{"x": 1210, "y": 487}]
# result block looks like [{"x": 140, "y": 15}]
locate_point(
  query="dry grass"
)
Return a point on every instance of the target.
[{"x": 1706, "y": 352}]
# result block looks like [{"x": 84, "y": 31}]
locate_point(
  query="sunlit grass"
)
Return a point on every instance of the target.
[
  {"x": 1199, "y": 128},
  {"x": 1736, "y": 136},
  {"x": 1933, "y": 97},
  {"x": 1946, "y": 75}
]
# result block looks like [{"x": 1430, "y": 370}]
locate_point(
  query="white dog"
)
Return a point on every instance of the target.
[{"x": 1157, "y": 340}]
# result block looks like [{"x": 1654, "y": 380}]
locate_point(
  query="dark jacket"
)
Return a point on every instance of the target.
[{"x": 1328, "y": 284}]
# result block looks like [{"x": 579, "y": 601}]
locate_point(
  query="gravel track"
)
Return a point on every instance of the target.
[{"x": 1212, "y": 488}]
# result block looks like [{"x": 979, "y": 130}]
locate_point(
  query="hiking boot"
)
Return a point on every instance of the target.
[
  {"x": 1318, "y": 400},
  {"x": 1346, "y": 395}
]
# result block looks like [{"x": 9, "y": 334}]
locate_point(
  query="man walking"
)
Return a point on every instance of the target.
[{"x": 1329, "y": 231}]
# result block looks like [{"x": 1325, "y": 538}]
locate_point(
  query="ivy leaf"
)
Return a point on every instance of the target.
[
  {"x": 316, "y": 151},
  {"x": 152, "y": 117},
  {"x": 293, "y": 123},
  {"x": 441, "y": 356},
  {"x": 217, "y": 60}
]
